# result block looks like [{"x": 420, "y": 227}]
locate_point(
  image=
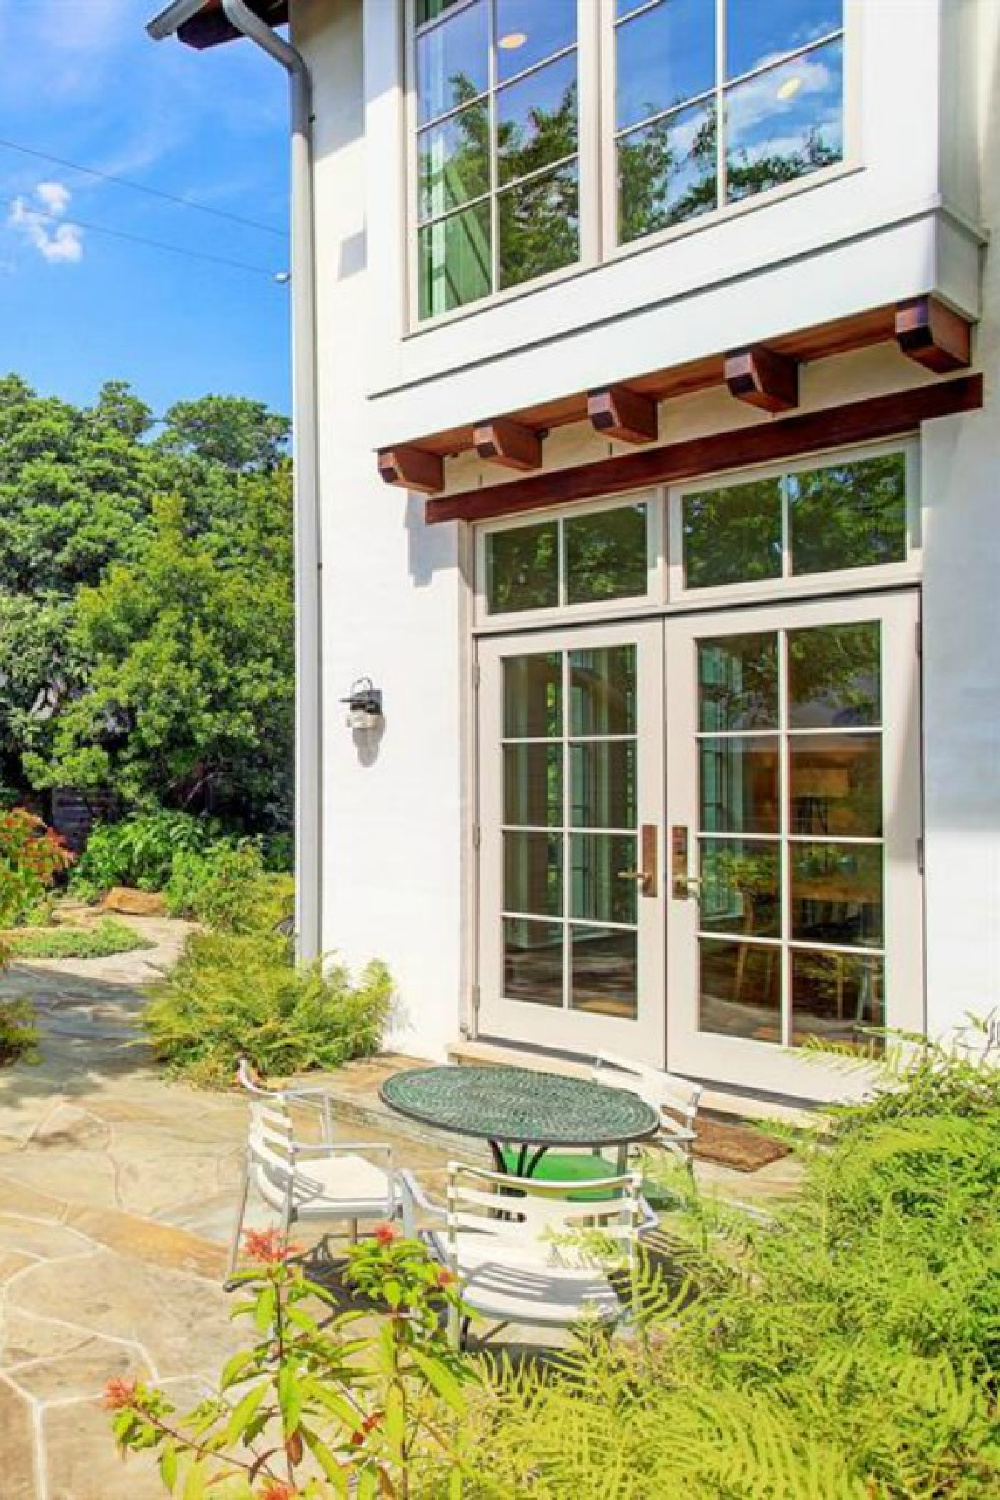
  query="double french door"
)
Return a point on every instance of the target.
[{"x": 699, "y": 838}]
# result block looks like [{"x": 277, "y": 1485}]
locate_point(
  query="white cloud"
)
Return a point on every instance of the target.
[{"x": 58, "y": 243}]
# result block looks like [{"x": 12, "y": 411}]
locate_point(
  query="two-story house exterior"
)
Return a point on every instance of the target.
[{"x": 657, "y": 361}]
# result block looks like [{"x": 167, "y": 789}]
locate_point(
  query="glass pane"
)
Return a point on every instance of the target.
[
  {"x": 834, "y": 676},
  {"x": 527, "y": 32},
  {"x": 532, "y": 696},
  {"x": 538, "y": 226},
  {"x": 738, "y": 683},
  {"x": 532, "y": 874},
  {"x": 599, "y": 888},
  {"x": 785, "y": 123},
  {"x": 606, "y": 554},
  {"x": 851, "y": 516},
  {"x": 453, "y": 161},
  {"x": 603, "y": 784},
  {"x": 532, "y": 785},
  {"x": 740, "y": 887},
  {"x": 665, "y": 57},
  {"x": 835, "y": 995},
  {"x": 602, "y": 690},
  {"x": 429, "y": 10},
  {"x": 605, "y": 972},
  {"x": 739, "y": 785},
  {"x": 666, "y": 172},
  {"x": 837, "y": 894},
  {"x": 740, "y": 989},
  {"x": 533, "y": 961},
  {"x": 522, "y": 568},
  {"x": 764, "y": 29},
  {"x": 454, "y": 261},
  {"x": 536, "y": 120},
  {"x": 732, "y": 535},
  {"x": 453, "y": 61},
  {"x": 836, "y": 785}
]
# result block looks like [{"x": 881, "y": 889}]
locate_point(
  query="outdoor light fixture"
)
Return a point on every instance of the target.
[{"x": 364, "y": 705}]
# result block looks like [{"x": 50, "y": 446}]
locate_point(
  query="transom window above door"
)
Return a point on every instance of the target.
[{"x": 550, "y": 132}]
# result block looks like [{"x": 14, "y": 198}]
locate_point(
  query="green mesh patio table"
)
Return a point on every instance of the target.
[{"x": 517, "y": 1107}]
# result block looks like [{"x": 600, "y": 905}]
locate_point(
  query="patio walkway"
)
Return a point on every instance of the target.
[{"x": 116, "y": 1195}]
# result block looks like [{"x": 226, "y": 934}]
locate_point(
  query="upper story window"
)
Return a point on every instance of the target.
[
  {"x": 704, "y": 103},
  {"x": 497, "y": 146}
]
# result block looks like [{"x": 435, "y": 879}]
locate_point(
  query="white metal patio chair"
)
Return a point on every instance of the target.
[
  {"x": 523, "y": 1251},
  {"x": 676, "y": 1099},
  {"x": 327, "y": 1180},
  {"x": 309, "y": 1095}
]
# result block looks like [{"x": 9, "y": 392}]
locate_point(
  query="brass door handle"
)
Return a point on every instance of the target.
[{"x": 632, "y": 875}]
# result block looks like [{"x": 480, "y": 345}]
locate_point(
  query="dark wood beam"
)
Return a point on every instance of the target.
[
  {"x": 933, "y": 335},
  {"x": 762, "y": 378},
  {"x": 790, "y": 437},
  {"x": 509, "y": 443},
  {"x": 617, "y": 412},
  {"x": 412, "y": 468}
]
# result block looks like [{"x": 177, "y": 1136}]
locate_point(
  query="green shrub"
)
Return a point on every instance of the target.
[
  {"x": 103, "y": 939},
  {"x": 138, "y": 852},
  {"x": 240, "y": 995},
  {"x": 227, "y": 888},
  {"x": 18, "y": 1032}
]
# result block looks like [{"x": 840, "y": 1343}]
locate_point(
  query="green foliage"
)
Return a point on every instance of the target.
[
  {"x": 138, "y": 852},
  {"x": 310, "y": 1393},
  {"x": 228, "y": 888},
  {"x": 18, "y": 1029},
  {"x": 103, "y": 939},
  {"x": 31, "y": 856},
  {"x": 240, "y": 995}
]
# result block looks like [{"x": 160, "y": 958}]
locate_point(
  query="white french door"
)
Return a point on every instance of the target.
[
  {"x": 571, "y": 800},
  {"x": 793, "y": 805}
]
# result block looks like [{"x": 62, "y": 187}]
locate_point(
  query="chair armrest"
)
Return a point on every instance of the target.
[
  {"x": 414, "y": 1197},
  {"x": 677, "y": 1132}
]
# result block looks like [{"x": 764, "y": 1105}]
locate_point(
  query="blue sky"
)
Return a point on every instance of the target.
[{"x": 80, "y": 80}]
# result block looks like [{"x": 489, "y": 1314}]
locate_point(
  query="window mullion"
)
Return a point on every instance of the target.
[
  {"x": 721, "y": 185},
  {"x": 493, "y": 169}
]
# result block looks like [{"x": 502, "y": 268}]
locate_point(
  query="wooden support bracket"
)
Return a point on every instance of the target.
[
  {"x": 509, "y": 443},
  {"x": 762, "y": 378},
  {"x": 933, "y": 335},
  {"x": 412, "y": 468},
  {"x": 617, "y": 412}
]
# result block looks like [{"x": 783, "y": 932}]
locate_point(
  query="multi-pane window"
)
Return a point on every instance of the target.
[
  {"x": 716, "y": 100},
  {"x": 497, "y": 146},
  {"x": 586, "y": 559}
]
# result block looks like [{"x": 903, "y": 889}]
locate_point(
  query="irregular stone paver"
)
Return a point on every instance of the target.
[{"x": 17, "y": 1441}]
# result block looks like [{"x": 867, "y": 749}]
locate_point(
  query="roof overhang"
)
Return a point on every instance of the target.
[{"x": 203, "y": 23}]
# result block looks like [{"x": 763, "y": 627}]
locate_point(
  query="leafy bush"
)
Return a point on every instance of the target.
[
  {"x": 138, "y": 852},
  {"x": 103, "y": 939},
  {"x": 227, "y": 888},
  {"x": 31, "y": 856},
  {"x": 18, "y": 1032},
  {"x": 240, "y": 995}
]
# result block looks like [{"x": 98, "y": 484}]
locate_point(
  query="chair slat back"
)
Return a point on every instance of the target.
[
  {"x": 668, "y": 1093},
  {"x": 270, "y": 1140},
  {"x": 503, "y": 1206}
]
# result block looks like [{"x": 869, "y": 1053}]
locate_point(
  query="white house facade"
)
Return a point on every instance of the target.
[{"x": 658, "y": 452}]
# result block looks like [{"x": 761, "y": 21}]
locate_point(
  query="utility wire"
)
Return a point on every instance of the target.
[
  {"x": 141, "y": 239},
  {"x": 141, "y": 187}
]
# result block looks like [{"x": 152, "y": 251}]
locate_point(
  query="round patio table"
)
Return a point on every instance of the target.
[{"x": 519, "y": 1107}]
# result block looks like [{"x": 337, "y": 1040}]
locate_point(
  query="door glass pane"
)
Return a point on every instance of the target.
[
  {"x": 667, "y": 172},
  {"x": 785, "y": 123},
  {"x": 453, "y": 61},
  {"x": 537, "y": 120},
  {"x": 532, "y": 873},
  {"x": 664, "y": 57},
  {"x": 603, "y": 690},
  {"x": 740, "y": 989},
  {"x": 600, "y": 888},
  {"x": 538, "y": 225},
  {"x": 740, "y": 887},
  {"x": 532, "y": 696},
  {"x": 606, "y": 554},
  {"x": 835, "y": 995},
  {"x": 732, "y": 535},
  {"x": 532, "y": 785},
  {"x": 604, "y": 974},
  {"x": 454, "y": 260},
  {"x": 766, "y": 28},
  {"x": 738, "y": 682},
  {"x": 837, "y": 894},
  {"x": 453, "y": 162},
  {"x": 848, "y": 515},
  {"x": 603, "y": 789},
  {"x": 522, "y": 568},
  {"x": 533, "y": 961},
  {"x": 836, "y": 785},
  {"x": 834, "y": 674},
  {"x": 739, "y": 784},
  {"x": 527, "y": 32}
]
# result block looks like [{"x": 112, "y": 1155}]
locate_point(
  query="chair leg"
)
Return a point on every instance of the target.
[
  {"x": 352, "y": 1232},
  {"x": 456, "y": 1332},
  {"x": 234, "y": 1250}
]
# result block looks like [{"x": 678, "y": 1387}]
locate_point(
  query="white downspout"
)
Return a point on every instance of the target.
[{"x": 305, "y": 427}]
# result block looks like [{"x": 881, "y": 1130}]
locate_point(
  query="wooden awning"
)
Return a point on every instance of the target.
[{"x": 765, "y": 376}]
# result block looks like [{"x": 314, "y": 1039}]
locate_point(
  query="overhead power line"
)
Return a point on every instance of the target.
[{"x": 142, "y": 187}]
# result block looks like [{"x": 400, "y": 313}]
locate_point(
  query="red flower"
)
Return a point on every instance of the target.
[
  {"x": 277, "y": 1489},
  {"x": 119, "y": 1393},
  {"x": 385, "y": 1234},
  {"x": 445, "y": 1278},
  {"x": 268, "y": 1246}
]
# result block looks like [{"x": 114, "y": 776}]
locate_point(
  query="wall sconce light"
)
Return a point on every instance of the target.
[{"x": 364, "y": 705}]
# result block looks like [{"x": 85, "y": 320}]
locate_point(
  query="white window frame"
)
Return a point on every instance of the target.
[{"x": 597, "y": 168}]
